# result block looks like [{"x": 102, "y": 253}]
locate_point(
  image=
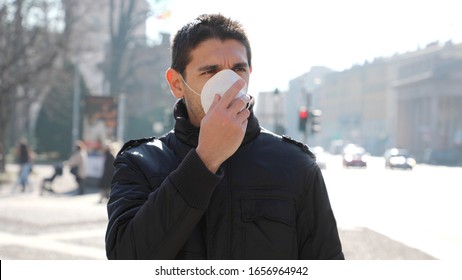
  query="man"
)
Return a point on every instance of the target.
[{"x": 219, "y": 186}]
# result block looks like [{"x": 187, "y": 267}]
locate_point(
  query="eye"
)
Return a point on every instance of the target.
[
  {"x": 240, "y": 69},
  {"x": 209, "y": 72}
]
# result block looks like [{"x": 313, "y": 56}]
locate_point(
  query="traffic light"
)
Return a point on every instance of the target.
[
  {"x": 302, "y": 118},
  {"x": 315, "y": 116}
]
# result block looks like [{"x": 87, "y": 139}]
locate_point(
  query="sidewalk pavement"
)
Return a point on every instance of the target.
[{"x": 62, "y": 225}]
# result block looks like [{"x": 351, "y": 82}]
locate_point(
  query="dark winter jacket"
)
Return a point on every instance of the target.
[{"x": 267, "y": 201}]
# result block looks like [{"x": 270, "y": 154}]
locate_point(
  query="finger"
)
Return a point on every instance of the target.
[
  {"x": 239, "y": 104},
  {"x": 215, "y": 101},
  {"x": 231, "y": 93},
  {"x": 245, "y": 122},
  {"x": 243, "y": 115},
  {"x": 246, "y": 99}
]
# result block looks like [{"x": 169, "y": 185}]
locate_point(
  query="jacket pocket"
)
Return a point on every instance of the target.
[
  {"x": 271, "y": 208},
  {"x": 269, "y": 227}
]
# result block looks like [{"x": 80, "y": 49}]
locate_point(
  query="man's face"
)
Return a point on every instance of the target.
[{"x": 207, "y": 59}]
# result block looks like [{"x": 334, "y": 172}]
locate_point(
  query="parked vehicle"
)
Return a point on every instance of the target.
[
  {"x": 354, "y": 156},
  {"x": 399, "y": 158}
]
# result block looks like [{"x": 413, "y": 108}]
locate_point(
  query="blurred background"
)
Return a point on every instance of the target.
[{"x": 373, "y": 87}]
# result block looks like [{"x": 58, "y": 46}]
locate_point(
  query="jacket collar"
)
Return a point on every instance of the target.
[{"x": 189, "y": 134}]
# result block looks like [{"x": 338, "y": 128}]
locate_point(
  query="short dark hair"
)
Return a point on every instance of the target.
[{"x": 204, "y": 27}]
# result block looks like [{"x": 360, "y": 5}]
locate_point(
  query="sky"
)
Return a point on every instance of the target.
[{"x": 288, "y": 37}]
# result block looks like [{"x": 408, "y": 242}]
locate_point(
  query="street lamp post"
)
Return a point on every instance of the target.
[{"x": 76, "y": 106}]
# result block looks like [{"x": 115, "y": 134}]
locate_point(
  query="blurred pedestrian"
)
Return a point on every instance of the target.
[
  {"x": 108, "y": 171},
  {"x": 77, "y": 164},
  {"x": 24, "y": 157}
]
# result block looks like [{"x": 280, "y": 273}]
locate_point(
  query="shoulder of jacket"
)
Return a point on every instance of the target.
[
  {"x": 302, "y": 146},
  {"x": 134, "y": 143}
]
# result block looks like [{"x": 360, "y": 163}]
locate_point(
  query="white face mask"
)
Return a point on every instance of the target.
[{"x": 218, "y": 84}]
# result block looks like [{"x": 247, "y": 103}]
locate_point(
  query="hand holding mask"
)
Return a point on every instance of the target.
[{"x": 219, "y": 84}]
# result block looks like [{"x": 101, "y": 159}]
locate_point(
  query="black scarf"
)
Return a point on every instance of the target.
[{"x": 189, "y": 134}]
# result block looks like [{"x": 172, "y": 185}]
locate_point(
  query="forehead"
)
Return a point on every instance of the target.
[{"x": 216, "y": 51}]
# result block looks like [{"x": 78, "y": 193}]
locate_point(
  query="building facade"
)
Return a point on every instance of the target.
[
  {"x": 355, "y": 106},
  {"x": 270, "y": 110},
  {"x": 428, "y": 90},
  {"x": 411, "y": 100}
]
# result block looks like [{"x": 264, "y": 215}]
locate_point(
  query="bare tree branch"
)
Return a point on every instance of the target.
[{"x": 30, "y": 43}]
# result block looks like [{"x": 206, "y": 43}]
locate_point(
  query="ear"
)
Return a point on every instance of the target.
[
  {"x": 174, "y": 81},
  {"x": 250, "y": 69}
]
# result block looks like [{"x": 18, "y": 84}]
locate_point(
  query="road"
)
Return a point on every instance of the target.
[
  {"x": 381, "y": 214},
  {"x": 420, "y": 208}
]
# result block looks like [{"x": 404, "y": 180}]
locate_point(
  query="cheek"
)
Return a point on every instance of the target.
[
  {"x": 245, "y": 76},
  {"x": 193, "y": 102}
]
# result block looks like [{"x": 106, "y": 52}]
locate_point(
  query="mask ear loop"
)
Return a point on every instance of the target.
[{"x": 181, "y": 76}]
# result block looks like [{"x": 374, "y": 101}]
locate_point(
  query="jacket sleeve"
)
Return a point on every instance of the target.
[
  {"x": 318, "y": 228},
  {"x": 151, "y": 216}
]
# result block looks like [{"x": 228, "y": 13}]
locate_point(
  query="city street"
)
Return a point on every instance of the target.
[
  {"x": 420, "y": 208},
  {"x": 57, "y": 225},
  {"x": 381, "y": 214}
]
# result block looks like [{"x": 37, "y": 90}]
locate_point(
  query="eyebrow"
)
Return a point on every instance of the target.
[
  {"x": 208, "y": 68},
  {"x": 215, "y": 67},
  {"x": 241, "y": 64}
]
